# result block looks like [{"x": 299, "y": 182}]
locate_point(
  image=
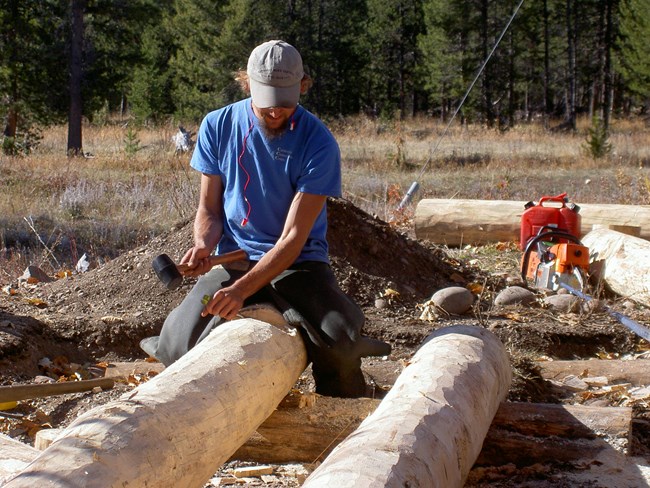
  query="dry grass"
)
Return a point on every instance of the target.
[{"x": 132, "y": 189}]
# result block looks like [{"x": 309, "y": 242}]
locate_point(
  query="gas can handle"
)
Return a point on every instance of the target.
[{"x": 558, "y": 198}]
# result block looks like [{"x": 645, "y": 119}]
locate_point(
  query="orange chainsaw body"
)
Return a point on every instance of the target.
[{"x": 559, "y": 263}]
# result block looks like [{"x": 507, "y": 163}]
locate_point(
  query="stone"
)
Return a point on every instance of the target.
[
  {"x": 34, "y": 274},
  {"x": 454, "y": 300},
  {"x": 563, "y": 303},
  {"x": 515, "y": 295}
]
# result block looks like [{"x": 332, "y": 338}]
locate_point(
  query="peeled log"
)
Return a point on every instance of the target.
[
  {"x": 622, "y": 261},
  {"x": 429, "y": 429},
  {"x": 14, "y": 457},
  {"x": 458, "y": 222},
  {"x": 616, "y": 370},
  {"x": 179, "y": 427}
]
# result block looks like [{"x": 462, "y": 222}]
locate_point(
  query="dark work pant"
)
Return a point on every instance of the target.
[{"x": 310, "y": 298}]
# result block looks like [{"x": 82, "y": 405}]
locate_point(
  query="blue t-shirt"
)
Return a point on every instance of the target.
[{"x": 267, "y": 173}]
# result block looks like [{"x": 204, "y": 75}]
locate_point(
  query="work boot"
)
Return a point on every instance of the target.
[{"x": 150, "y": 345}]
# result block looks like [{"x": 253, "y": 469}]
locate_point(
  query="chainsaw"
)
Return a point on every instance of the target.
[{"x": 554, "y": 258}]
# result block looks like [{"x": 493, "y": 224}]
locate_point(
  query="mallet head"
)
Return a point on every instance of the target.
[{"x": 167, "y": 271}]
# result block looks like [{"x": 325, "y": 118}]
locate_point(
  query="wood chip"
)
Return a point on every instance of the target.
[{"x": 249, "y": 471}]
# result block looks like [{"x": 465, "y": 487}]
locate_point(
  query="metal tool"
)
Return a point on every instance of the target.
[
  {"x": 549, "y": 263},
  {"x": 640, "y": 330},
  {"x": 171, "y": 274}
]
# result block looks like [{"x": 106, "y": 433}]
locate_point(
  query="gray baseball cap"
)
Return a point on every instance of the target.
[{"x": 274, "y": 75}]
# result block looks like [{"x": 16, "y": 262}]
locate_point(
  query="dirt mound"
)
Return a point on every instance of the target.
[{"x": 109, "y": 309}]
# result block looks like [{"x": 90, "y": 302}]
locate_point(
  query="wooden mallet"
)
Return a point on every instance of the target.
[{"x": 171, "y": 274}]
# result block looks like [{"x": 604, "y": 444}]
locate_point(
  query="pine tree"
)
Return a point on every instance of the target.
[
  {"x": 442, "y": 54},
  {"x": 634, "y": 56},
  {"x": 196, "y": 70},
  {"x": 31, "y": 56},
  {"x": 150, "y": 87},
  {"x": 392, "y": 52}
]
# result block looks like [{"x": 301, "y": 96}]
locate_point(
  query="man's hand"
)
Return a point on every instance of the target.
[
  {"x": 197, "y": 261},
  {"x": 226, "y": 303}
]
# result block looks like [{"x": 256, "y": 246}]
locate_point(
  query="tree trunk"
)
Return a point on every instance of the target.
[
  {"x": 622, "y": 262},
  {"x": 487, "y": 76},
  {"x": 178, "y": 428},
  {"x": 76, "y": 73},
  {"x": 547, "y": 69},
  {"x": 571, "y": 64},
  {"x": 305, "y": 429},
  {"x": 609, "y": 45},
  {"x": 429, "y": 429},
  {"x": 459, "y": 222}
]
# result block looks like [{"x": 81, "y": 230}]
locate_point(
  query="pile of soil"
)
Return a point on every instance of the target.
[{"x": 102, "y": 314}]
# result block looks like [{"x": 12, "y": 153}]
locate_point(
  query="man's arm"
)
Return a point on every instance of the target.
[
  {"x": 208, "y": 225},
  {"x": 303, "y": 212}
]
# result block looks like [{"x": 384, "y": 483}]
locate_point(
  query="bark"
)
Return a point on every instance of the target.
[
  {"x": 25, "y": 392},
  {"x": 615, "y": 370},
  {"x": 525, "y": 434}
]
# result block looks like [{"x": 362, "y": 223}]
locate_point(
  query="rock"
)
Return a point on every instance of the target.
[
  {"x": 380, "y": 303},
  {"x": 455, "y": 300},
  {"x": 563, "y": 303},
  {"x": 515, "y": 295},
  {"x": 34, "y": 274}
]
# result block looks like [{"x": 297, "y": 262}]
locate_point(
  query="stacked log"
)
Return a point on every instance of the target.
[{"x": 460, "y": 222}]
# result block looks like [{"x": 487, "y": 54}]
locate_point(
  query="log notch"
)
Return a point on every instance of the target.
[
  {"x": 179, "y": 427},
  {"x": 305, "y": 428},
  {"x": 622, "y": 262},
  {"x": 458, "y": 222},
  {"x": 429, "y": 429}
]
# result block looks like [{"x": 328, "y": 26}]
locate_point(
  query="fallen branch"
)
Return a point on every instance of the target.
[{"x": 39, "y": 390}]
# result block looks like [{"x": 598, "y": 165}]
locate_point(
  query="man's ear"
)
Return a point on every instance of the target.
[{"x": 305, "y": 83}]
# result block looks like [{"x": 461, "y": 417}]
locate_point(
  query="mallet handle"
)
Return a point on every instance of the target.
[{"x": 229, "y": 257}]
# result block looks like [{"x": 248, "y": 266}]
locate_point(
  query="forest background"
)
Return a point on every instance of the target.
[
  {"x": 173, "y": 59},
  {"x": 560, "y": 106}
]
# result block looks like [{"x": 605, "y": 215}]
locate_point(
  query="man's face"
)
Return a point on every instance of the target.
[{"x": 274, "y": 120}]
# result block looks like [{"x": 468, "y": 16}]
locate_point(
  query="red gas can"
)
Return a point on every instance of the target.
[{"x": 556, "y": 212}]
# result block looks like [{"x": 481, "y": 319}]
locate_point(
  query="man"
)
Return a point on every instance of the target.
[{"x": 268, "y": 166}]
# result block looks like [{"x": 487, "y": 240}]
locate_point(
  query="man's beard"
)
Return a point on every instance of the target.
[{"x": 270, "y": 133}]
